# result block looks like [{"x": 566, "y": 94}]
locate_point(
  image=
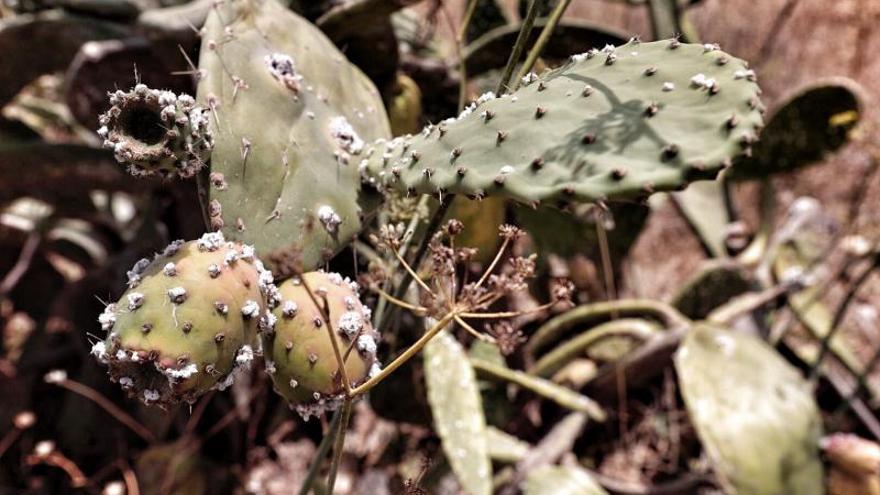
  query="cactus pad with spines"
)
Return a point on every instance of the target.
[
  {"x": 617, "y": 123},
  {"x": 291, "y": 116},
  {"x": 188, "y": 319},
  {"x": 156, "y": 132},
  {"x": 299, "y": 354}
]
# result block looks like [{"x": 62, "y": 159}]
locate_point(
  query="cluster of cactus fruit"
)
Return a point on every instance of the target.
[
  {"x": 201, "y": 310},
  {"x": 290, "y": 143}
]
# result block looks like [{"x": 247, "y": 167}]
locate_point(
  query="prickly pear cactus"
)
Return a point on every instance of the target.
[
  {"x": 812, "y": 122},
  {"x": 620, "y": 122},
  {"x": 188, "y": 320},
  {"x": 291, "y": 116},
  {"x": 754, "y": 413},
  {"x": 299, "y": 354},
  {"x": 156, "y": 132}
]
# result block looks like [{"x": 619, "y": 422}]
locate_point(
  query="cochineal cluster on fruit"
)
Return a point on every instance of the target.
[
  {"x": 299, "y": 353},
  {"x": 188, "y": 320}
]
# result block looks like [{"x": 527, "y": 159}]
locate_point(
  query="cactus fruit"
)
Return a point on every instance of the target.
[
  {"x": 617, "y": 123},
  {"x": 291, "y": 116},
  {"x": 156, "y": 132},
  {"x": 188, "y": 319},
  {"x": 299, "y": 354}
]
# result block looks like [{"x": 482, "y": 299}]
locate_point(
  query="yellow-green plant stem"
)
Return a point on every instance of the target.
[
  {"x": 563, "y": 354},
  {"x": 518, "y": 47},
  {"x": 593, "y": 314},
  {"x": 543, "y": 387},
  {"x": 542, "y": 40},
  {"x": 404, "y": 357}
]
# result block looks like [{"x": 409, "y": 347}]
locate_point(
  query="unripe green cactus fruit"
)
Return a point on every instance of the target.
[
  {"x": 188, "y": 320},
  {"x": 299, "y": 354},
  {"x": 157, "y": 132}
]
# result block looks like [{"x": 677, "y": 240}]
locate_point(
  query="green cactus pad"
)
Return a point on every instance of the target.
[
  {"x": 156, "y": 132},
  {"x": 188, "y": 320},
  {"x": 754, "y": 413},
  {"x": 291, "y": 116},
  {"x": 812, "y": 122},
  {"x": 299, "y": 354},
  {"x": 613, "y": 123}
]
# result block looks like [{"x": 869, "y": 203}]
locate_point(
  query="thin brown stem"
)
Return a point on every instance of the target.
[
  {"x": 433, "y": 225},
  {"x": 57, "y": 459},
  {"x": 197, "y": 414},
  {"x": 471, "y": 330},
  {"x": 412, "y": 272},
  {"x": 129, "y": 478},
  {"x": 325, "y": 313},
  {"x": 466, "y": 21},
  {"x": 339, "y": 444},
  {"x": 321, "y": 453},
  {"x": 399, "y": 302},
  {"x": 495, "y": 261},
  {"x": 404, "y": 357},
  {"x": 21, "y": 265},
  {"x": 508, "y": 314},
  {"x": 8, "y": 439},
  {"x": 220, "y": 425},
  {"x": 111, "y": 408},
  {"x": 607, "y": 267},
  {"x": 839, "y": 315}
]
